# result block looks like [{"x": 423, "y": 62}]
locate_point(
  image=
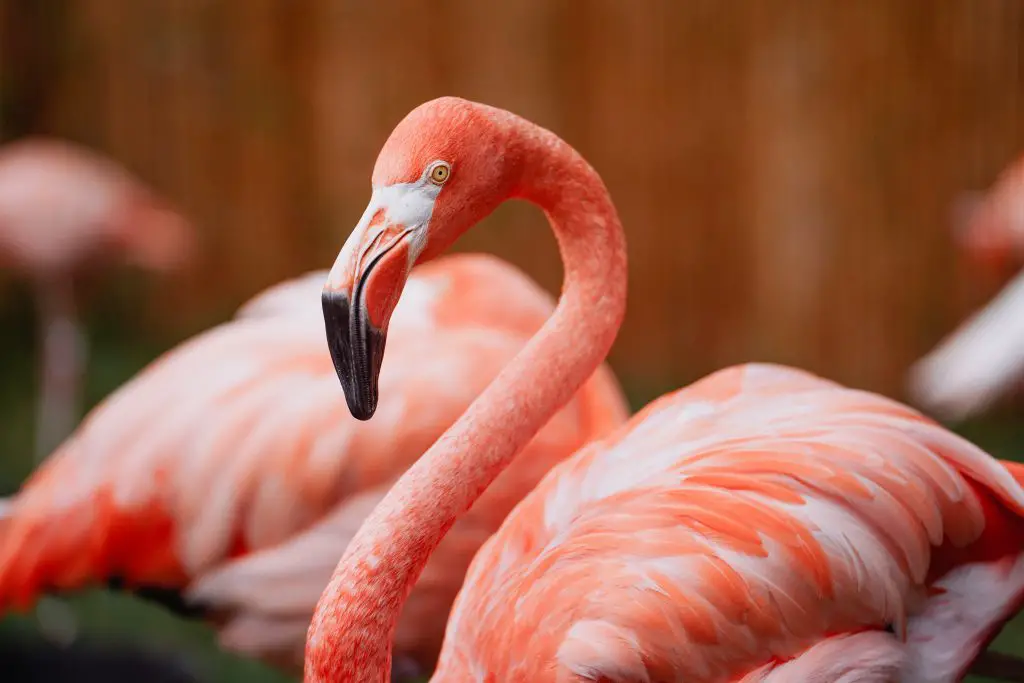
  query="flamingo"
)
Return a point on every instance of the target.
[
  {"x": 983, "y": 358},
  {"x": 64, "y": 209},
  {"x": 978, "y": 362},
  {"x": 761, "y": 525},
  {"x": 990, "y": 225},
  {"x": 222, "y": 480}
]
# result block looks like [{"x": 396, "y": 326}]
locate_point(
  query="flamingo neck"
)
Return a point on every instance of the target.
[{"x": 354, "y": 624}]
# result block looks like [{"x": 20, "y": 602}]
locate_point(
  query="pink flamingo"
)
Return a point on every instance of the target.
[
  {"x": 230, "y": 472},
  {"x": 761, "y": 525},
  {"x": 983, "y": 359},
  {"x": 64, "y": 209}
]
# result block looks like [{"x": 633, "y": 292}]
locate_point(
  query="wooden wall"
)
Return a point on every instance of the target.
[{"x": 785, "y": 169}]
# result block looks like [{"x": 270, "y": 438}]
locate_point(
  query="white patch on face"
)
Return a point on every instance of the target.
[{"x": 408, "y": 204}]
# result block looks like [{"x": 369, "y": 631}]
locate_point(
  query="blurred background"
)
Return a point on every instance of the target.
[{"x": 787, "y": 173}]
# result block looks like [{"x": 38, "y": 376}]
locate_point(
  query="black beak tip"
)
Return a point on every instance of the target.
[
  {"x": 361, "y": 409},
  {"x": 357, "y": 349}
]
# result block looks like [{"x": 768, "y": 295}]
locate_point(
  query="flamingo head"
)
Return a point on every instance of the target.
[
  {"x": 447, "y": 165},
  {"x": 992, "y": 235}
]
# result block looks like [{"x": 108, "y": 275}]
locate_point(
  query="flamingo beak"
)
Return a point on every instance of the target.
[
  {"x": 358, "y": 299},
  {"x": 986, "y": 250},
  {"x": 357, "y": 349}
]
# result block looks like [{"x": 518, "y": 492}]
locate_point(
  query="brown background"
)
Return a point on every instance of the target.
[{"x": 785, "y": 170}]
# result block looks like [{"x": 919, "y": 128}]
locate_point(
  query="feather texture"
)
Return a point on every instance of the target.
[
  {"x": 743, "y": 521},
  {"x": 226, "y": 461}
]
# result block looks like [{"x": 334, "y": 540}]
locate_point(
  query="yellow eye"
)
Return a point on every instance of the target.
[{"x": 440, "y": 173}]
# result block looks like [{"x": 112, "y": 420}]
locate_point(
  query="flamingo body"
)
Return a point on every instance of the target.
[
  {"x": 63, "y": 206},
  {"x": 984, "y": 357},
  {"x": 230, "y": 466},
  {"x": 976, "y": 364},
  {"x": 761, "y": 515}
]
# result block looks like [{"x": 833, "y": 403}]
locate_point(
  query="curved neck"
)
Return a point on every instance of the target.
[{"x": 353, "y": 627}]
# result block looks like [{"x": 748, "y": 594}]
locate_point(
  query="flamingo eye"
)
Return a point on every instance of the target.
[{"x": 440, "y": 172}]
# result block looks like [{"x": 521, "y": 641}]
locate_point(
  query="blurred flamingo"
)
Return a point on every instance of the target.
[
  {"x": 979, "y": 362},
  {"x": 990, "y": 225},
  {"x": 761, "y": 525},
  {"x": 63, "y": 211},
  {"x": 983, "y": 358},
  {"x": 230, "y": 470}
]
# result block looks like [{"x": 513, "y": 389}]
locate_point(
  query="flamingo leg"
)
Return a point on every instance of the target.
[
  {"x": 62, "y": 360},
  {"x": 56, "y": 413}
]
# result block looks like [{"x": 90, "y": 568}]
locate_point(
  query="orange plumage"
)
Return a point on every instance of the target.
[
  {"x": 205, "y": 471},
  {"x": 770, "y": 511}
]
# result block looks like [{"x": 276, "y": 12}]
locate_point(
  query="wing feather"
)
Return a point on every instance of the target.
[{"x": 239, "y": 438}]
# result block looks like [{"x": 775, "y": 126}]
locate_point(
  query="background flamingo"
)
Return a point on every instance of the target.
[
  {"x": 63, "y": 211},
  {"x": 984, "y": 357},
  {"x": 230, "y": 463},
  {"x": 978, "y": 363},
  {"x": 990, "y": 225},
  {"x": 760, "y": 525}
]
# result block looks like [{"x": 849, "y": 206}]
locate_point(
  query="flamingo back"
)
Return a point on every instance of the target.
[
  {"x": 739, "y": 522},
  {"x": 265, "y": 599},
  {"x": 231, "y": 445}
]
